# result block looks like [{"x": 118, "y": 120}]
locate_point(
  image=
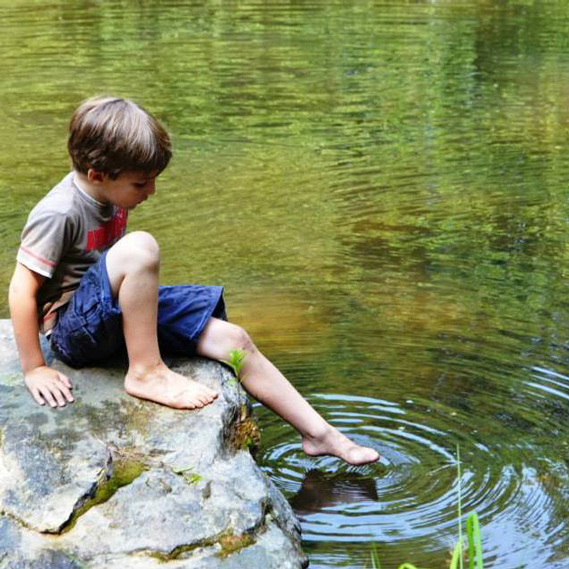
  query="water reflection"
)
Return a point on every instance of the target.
[{"x": 324, "y": 491}]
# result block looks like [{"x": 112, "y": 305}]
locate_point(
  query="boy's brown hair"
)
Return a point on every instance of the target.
[{"x": 113, "y": 135}]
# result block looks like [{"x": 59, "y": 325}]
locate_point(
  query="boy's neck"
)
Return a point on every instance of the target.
[{"x": 82, "y": 182}]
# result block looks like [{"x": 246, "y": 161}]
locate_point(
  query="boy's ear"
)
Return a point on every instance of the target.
[{"x": 95, "y": 177}]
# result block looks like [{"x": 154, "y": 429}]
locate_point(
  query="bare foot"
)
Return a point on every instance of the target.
[
  {"x": 335, "y": 443},
  {"x": 162, "y": 385}
]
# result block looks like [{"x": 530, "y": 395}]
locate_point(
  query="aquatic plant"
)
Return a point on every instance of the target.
[
  {"x": 472, "y": 536},
  {"x": 472, "y": 530},
  {"x": 474, "y": 549}
]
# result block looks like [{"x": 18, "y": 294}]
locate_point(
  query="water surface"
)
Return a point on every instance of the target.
[{"x": 382, "y": 189}]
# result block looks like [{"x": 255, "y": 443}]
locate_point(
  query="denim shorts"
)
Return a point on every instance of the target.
[{"x": 89, "y": 326}]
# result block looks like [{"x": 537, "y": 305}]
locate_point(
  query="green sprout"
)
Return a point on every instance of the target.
[
  {"x": 187, "y": 474},
  {"x": 235, "y": 362}
]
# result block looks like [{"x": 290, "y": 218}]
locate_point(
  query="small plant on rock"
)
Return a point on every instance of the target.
[
  {"x": 236, "y": 362},
  {"x": 246, "y": 435}
]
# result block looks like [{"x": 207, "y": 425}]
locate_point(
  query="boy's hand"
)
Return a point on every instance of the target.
[{"x": 49, "y": 385}]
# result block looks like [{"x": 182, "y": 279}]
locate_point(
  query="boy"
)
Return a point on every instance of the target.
[{"x": 96, "y": 289}]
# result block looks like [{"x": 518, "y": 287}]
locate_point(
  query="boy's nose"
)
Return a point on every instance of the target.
[{"x": 151, "y": 187}]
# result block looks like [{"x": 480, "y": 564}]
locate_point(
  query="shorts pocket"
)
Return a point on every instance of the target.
[
  {"x": 86, "y": 339},
  {"x": 72, "y": 346}
]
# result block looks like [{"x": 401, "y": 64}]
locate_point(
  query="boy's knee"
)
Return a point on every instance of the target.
[
  {"x": 142, "y": 240},
  {"x": 141, "y": 248},
  {"x": 240, "y": 339},
  {"x": 135, "y": 252}
]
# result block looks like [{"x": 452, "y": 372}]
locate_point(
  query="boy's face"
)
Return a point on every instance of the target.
[{"x": 128, "y": 190}]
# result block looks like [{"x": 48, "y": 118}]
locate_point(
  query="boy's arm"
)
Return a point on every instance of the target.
[{"x": 45, "y": 383}]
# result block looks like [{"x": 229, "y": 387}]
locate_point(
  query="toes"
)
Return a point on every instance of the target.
[
  {"x": 362, "y": 455},
  {"x": 209, "y": 394},
  {"x": 199, "y": 398}
]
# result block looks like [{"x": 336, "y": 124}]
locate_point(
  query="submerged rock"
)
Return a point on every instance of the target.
[{"x": 111, "y": 481}]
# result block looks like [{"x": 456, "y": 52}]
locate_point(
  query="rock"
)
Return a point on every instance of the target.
[{"x": 112, "y": 481}]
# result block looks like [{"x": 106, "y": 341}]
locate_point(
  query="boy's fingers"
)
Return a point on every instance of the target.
[
  {"x": 65, "y": 380},
  {"x": 36, "y": 395},
  {"x": 66, "y": 391},
  {"x": 61, "y": 392},
  {"x": 56, "y": 392},
  {"x": 46, "y": 393}
]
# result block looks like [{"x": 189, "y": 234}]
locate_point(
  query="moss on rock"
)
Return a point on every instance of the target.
[
  {"x": 125, "y": 471},
  {"x": 246, "y": 435},
  {"x": 233, "y": 543}
]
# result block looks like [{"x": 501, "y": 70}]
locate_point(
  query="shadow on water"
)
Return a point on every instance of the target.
[{"x": 321, "y": 490}]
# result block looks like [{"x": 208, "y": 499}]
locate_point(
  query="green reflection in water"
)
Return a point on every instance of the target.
[{"x": 382, "y": 189}]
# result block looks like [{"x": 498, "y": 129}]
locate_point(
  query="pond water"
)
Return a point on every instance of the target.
[{"x": 382, "y": 189}]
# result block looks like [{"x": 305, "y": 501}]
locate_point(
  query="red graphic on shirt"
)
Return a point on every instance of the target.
[{"x": 99, "y": 238}]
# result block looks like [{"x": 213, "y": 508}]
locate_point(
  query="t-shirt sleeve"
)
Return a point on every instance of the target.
[{"x": 43, "y": 241}]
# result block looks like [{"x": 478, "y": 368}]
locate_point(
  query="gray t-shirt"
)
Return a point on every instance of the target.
[{"x": 65, "y": 234}]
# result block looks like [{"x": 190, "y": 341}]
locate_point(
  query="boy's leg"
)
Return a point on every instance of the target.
[
  {"x": 268, "y": 385},
  {"x": 133, "y": 265}
]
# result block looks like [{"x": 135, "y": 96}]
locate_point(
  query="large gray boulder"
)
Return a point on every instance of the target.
[{"x": 114, "y": 482}]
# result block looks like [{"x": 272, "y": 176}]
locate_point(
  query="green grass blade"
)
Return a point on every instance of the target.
[
  {"x": 375, "y": 557},
  {"x": 459, "y": 482},
  {"x": 456, "y": 555},
  {"x": 472, "y": 534},
  {"x": 470, "y": 537},
  {"x": 474, "y": 542}
]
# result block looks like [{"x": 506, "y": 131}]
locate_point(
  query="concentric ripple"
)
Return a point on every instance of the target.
[{"x": 409, "y": 500}]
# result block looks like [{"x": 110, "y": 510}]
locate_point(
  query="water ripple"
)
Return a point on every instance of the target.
[{"x": 414, "y": 489}]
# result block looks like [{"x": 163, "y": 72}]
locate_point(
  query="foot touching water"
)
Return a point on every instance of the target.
[{"x": 334, "y": 443}]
